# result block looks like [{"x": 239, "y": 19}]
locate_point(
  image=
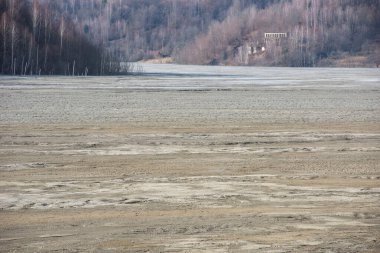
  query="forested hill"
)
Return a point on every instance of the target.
[
  {"x": 144, "y": 29},
  {"x": 319, "y": 32},
  {"x": 36, "y": 37},
  {"x": 292, "y": 33},
  {"x": 102, "y": 32}
]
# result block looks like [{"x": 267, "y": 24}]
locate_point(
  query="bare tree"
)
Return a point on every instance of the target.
[
  {"x": 61, "y": 33},
  {"x": 13, "y": 42},
  {"x": 4, "y": 30}
]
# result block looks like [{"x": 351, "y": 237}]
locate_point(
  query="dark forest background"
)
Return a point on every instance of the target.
[{"x": 93, "y": 36}]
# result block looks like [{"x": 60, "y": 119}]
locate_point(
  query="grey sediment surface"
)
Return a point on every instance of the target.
[{"x": 191, "y": 159}]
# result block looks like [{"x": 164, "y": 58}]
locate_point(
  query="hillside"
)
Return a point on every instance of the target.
[
  {"x": 319, "y": 33},
  {"x": 36, "y": 38},
  {"x": 146, "y": 29},
  {"x": 50, "y": 35},
  {"x": 314, "y": 33}
]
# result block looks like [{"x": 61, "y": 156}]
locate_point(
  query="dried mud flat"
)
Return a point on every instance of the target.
[{"x": 192, "y": 159}]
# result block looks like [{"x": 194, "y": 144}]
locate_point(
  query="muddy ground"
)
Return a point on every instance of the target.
[{"x": 192, "y": 159}]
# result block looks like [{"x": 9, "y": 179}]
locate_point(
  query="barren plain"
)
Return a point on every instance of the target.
[{"x": 191, "y": 159}]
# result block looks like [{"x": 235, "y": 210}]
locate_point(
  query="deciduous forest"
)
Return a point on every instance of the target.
[
  {"x": 94, "y": 36},
  {"x": 36, "y": 37},
  {"x": 319, "y": 33}
]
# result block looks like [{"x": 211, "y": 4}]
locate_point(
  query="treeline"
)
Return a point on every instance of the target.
[
  {"x": 145, "y": 29},
  {"x": 36, "y": 38},
  {"x": 320, "y": 33},
  {"x": 94, "y": 36}
]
